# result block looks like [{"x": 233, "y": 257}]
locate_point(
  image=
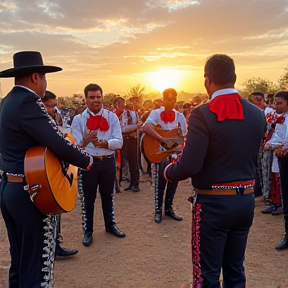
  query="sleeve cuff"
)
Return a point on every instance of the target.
[
  {"x": 165, "y": 172},
  {"x": 90, "y": 163}
]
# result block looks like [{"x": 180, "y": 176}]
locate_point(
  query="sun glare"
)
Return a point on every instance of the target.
[{"x": 165, "y": 78}]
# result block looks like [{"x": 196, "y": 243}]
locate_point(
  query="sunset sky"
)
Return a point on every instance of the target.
[{"x": 155, "y": 43}]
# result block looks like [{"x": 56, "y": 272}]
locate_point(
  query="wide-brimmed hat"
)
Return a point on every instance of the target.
[{"x": 28, "y": 62}]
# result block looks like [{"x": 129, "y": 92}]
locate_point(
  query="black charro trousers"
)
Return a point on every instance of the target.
[
  {"x": 220, "y": 226},
  {"x": 283, "y": 167},
  {"x": 102, "y": 174},
  {"x": 31, "y": 236},
  {"x": 160, "y": 184},
  {"x": 130, "y": 152}
]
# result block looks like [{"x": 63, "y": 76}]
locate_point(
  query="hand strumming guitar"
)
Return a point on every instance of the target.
[{"x": 169, "y": 143}]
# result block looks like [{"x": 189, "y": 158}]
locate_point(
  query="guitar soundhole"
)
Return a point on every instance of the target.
[
  {"x": 65, "y": 167},
  {"x": 71, "y": 178}
]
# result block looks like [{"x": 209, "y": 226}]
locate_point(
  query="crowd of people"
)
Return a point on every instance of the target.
[
  {"x": 168, "y": 140},
  {"x": 272, "y": 165}
]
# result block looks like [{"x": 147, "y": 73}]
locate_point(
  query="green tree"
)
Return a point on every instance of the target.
[
  {"x": 283, "y": 81},
  {"x": 108, "y": 98},
  {"x": 259, "y": 85},
  {"x": 136, "y": 93}
]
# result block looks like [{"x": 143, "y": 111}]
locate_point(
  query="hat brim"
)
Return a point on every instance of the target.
[{"x": 12, "y": 72}]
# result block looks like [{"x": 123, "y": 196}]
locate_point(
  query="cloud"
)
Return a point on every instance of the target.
[{"x": 127, "y": 38}]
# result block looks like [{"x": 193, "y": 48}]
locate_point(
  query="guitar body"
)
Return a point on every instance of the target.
[
  {"x": 151, "y": 148},
  {"x": 52, "y": 188}
]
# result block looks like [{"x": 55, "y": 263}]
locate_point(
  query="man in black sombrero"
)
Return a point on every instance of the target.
[{"x": 24, "y": 123}]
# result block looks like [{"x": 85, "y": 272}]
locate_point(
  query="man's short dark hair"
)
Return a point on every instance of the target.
[
  {"x": 283, "y": 94},
  {"x": 92, "y": 87},
  {"x": 257, "y": 94},
  {"x": 187, "y": 106},
  {"x": 169, "y": 90},
  {"x": 270, "y": 95},
  {"x": 220, "y": 69},
  {"x": 48, "y": 95}
]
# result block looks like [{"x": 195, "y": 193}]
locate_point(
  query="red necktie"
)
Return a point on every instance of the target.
[
  {"x": 227, "y": 106},
  {"x": 97, "y": 122},
  {"x": 167, "y": 116}
]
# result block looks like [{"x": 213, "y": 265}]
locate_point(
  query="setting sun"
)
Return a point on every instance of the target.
[{"x": 165, "y": 78}]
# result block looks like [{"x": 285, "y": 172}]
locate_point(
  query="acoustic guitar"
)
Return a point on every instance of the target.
[
  {"x": 153, "y": 151},
  {"x": 51, "y": 183}
]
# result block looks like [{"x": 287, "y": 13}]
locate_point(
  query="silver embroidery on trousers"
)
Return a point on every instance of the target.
[
  {"x": 82, "y": 198},
  {"x": 48, "y": 255},
  {"x": 155, "y": 182}
]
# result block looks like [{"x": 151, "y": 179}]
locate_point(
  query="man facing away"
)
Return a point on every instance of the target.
[
  {"x": 168, "y": 118},
  {"x": 24, "y": 123},
  {"x": 220, "y": 155},
  {"x": 97, "y": 130}
]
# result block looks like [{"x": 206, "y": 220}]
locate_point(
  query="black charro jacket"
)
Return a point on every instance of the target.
[
  {"x": 24, "y": 123},
  {"x": 219, "y": 152}
]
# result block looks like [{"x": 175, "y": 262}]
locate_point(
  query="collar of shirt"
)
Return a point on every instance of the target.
[
  {"x": 162, "y": 108},
  {"x": 24, "y": 87},
  {"x": 87, "y": 111},
  {"x": 223, "y": 92}
]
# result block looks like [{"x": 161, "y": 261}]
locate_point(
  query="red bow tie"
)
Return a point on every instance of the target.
[
  {"x": 97, "y": 122},
  {"x": 167, "y": 116},
  {"x": 227, "y": 106}
]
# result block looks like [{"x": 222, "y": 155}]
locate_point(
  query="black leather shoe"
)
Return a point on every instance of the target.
[
  {"x": 128, "y": 188},
  {"x": 158, "y": 216},
  {"x": 170, "y": 212},
  {"x": 135, "y": 188},
  {"x": 87, "y": 239},
  {"x": 114, "y": 230},
  {"x": 283, "y": 244},
  {"x": 61, "y": 251}
]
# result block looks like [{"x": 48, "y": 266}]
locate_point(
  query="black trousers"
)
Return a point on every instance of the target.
[
  {"x": 58, "y": 236},
  {"x": 160, "y": 184},
  {"x": 220, "y": 226},
  {"x": 130, "y": 152},
  {"x": 102, "y": 174},
  {"x": 283, "y": 169},
  {"x": 31, "y": 236}
]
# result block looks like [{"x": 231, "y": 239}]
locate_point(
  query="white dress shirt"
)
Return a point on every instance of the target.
[
  {"x": 113, "y": 135},
  {"x": 224, "y": 92},
  {"x": 154, "y": 118},
  {"x": 125, "y": 127}
]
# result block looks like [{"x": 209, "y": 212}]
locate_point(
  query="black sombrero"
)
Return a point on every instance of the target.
[{"x": 28, "y": 62}]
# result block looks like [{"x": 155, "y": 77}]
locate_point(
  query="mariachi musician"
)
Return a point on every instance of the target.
[
  {"x": 220, "y": 156},
  {"x": 97, "y": 130},
  {"x": 24, "y": 123},
  {"x": 168, "y": 118}
]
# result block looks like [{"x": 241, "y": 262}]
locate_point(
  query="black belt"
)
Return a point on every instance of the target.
[
  {"x": 129, "y": 137},
  {"x": 102, "y": 158}
]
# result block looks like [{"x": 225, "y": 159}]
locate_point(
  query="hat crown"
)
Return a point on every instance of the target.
[{"x": 27, "y": 58}]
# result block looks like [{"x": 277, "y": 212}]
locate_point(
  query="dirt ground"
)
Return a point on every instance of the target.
[{"x": 153, "y": 255}]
